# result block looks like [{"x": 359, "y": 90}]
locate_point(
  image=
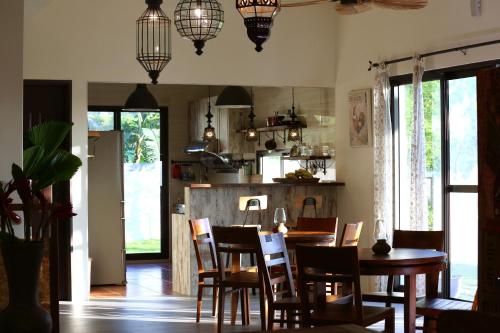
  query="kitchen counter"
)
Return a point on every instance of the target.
[
  {"x": 220, "y": 204},
  {"x": 326, "y": 184}
]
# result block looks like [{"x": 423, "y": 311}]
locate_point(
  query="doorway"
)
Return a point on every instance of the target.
[{"x": 144, "y": 176}]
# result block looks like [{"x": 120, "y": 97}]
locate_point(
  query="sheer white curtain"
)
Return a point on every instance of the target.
[
  {"x": 382, "y": 157},
  {"x": 418, "y": 204}
]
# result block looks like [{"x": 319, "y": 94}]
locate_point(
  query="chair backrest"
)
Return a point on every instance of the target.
[
  {"x": 342, "y": 266},
  {"x": 351, "y": 234},
  {"x": 328, "y": 224},
  {"x": 309, "y": 201},
  {"x": 426, "y": 240},
  {"x": 274, "y": 265},
  {"x": 201, "y": 234},
  {"x": 234, "y": 240},
  {"x": 432, "y": 240},
  {"x": 461, "y": 321}
]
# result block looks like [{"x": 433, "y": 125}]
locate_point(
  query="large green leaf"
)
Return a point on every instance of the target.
[
  {"x": 62, "y": 167},
  {"x": 31, "y": 159},
  {"x": 50, "y": 135}
]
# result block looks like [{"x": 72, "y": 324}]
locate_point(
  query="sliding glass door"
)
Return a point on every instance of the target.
[{"x": 450, "y": 125}]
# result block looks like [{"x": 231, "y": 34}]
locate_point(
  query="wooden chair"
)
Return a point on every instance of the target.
[
  {"x": 274, "y": 265},
  {"x": 459, "y": 321},
  {"x": 351, "y": 234},
  {"x": 201, "y": 235},
  {"x": 328, "y": 224},
  {"x": 309, "y": 201},
  {"x": 321, "y": 264},
  {"x": 433, "y": 308},
  {"x": 417, "y": 240},
  {"x": 235, "y": 241}
]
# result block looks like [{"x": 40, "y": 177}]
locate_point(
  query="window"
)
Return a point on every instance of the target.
[
  {"x": 450, "y": 125},
  {"x": 271, "y": 165},
  {"x": 101, "y": 120}
]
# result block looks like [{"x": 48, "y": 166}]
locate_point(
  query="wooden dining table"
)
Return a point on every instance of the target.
[{"x": 406, "y": 262}]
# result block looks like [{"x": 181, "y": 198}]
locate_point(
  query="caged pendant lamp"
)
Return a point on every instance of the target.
[
  {"x": 199, "y": 21},
  {"x": 258, "y": 18},
  {"x": 153, "y": 39}
]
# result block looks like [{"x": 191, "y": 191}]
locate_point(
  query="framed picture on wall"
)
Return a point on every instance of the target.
[{"x": 360, "y": 112}]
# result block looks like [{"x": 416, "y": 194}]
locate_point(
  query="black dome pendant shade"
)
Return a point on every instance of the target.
[
  {"x": 141, "y": 99},
  {"x": 234, "y": 97}
]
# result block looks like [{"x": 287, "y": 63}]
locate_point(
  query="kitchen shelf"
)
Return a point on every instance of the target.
[
  {"x": 317, "y": 161},
  {"x": 274, "y": 129}
]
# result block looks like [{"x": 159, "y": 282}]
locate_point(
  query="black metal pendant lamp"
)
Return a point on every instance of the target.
[
  {"x": 209, "y": 132},
  {"x": 294, "y": 131},
  {"x": 258, "y": 18},
  {"x": 141, "y": 99},
  {"x": 251, "y": 134},
  {"x": 199, "y": 21},
  {"x": 153, "y": 39}
]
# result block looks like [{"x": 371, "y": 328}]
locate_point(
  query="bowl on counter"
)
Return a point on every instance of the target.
[{"x": 296, "y": 181}]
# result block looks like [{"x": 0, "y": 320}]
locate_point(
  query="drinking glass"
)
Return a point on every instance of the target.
[{"x": 279, "y": 216}]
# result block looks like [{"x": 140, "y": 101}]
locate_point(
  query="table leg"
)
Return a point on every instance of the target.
[{"x": 410, "y": 303}]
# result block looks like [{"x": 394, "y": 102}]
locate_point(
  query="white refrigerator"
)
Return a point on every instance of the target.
[{"x": 106, "y": 209}]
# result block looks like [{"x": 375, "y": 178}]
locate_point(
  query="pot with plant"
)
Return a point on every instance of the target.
[{"x": 44, "y": 164}]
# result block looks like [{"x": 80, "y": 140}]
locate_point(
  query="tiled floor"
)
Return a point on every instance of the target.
[{"x": 147, "y": 304}]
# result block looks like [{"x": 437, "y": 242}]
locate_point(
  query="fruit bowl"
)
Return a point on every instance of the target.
[{"x": 296, "y": 181}]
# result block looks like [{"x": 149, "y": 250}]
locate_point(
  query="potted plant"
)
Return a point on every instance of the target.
[{"x": 44, "y": 164}]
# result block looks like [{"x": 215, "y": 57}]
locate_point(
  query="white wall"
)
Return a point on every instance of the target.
[
  {"x": 387, "y": 34},
  {"x": 11, "y": 82},
  {"x": 94, "y": 41}
]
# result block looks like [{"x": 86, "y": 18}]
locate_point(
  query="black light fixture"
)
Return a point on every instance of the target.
[
  {"x": 153, "y": 39},
  {"x": 251, "y": 134},
  {"x": 209, "y": 132},
  {"x": 294, "y": 131},
  {"x": 199, "y": 21},
  {"x": 258, "y": 18},
  {"x": 141, "y": 99},
  {"x": 234, "y": 97}
]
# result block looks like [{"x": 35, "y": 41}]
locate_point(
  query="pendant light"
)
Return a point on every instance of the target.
[
  {"x": 153, "y": 39},
  {"x": 209, "y": 132},
  {"x": 140, "y": 100},
  {"x": 234, "y": 97},
  {"x": 251, "y": 134},
  {"x": 294, "y": 131},
  {"x": 258, "y": 18},
  {"x": 199, "y": 21}
]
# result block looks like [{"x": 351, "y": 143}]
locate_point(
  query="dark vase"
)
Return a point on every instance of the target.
[
  {"x": 24, "y": 314},
  {"x": 381, "y": 247}
]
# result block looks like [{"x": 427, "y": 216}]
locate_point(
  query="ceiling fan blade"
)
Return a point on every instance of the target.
[
  {"x": 401, "y": 4},
  {"x": 353, "y": 8}
]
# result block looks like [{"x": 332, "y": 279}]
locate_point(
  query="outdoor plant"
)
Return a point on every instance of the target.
[{"x": 44, "y": 164}]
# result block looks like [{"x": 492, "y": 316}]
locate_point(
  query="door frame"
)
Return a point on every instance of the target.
[{"x": 164, "y": 193}]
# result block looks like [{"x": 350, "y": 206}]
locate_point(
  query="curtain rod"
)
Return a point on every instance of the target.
[{"x": 462, "y": 49}]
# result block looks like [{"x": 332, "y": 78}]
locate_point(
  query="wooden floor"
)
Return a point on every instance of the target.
[{"x": 147, "y": 304}]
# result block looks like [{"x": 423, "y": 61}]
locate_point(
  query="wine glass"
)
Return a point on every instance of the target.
[{"x": 279, "y": 216}]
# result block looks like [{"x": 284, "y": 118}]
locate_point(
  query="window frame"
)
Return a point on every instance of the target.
[
  {"x": 443, "y": 75},
  {"x": 164, "y": 191}
]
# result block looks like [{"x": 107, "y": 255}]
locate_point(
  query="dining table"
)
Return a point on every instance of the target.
[{"x": 405, "y": 262}]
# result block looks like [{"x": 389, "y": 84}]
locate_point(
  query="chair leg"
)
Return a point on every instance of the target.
[
  {"x": 243, "y": 308},
  {"x": 263, "y": 308},
  {"x": 270, "y": 319},
  {"x": 199, "y": 301},
  {"x": 390, "y": 322},
  {"x": 220, "y": 309},
  {"x": 282, "y": 318},
  {"x": 252, "y": 263},
  {"x": 289, "y": 319},
  {"x": 215, "y": 296},
  {"x": 429, "y": 325},
  {"x": 247, "y": 305}
]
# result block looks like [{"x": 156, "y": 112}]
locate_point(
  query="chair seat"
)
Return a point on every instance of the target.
[
  {"x": 433, "y": 307},
  {"x": 344, "y": 313},
  {"x": 242, "y": 279},
  {"x": 383, "y": 296}
]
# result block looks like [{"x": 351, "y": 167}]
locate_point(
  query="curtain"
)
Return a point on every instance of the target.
[
  {"x": 418, "y": 204},
  {"x": 382, "y": 157}
]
